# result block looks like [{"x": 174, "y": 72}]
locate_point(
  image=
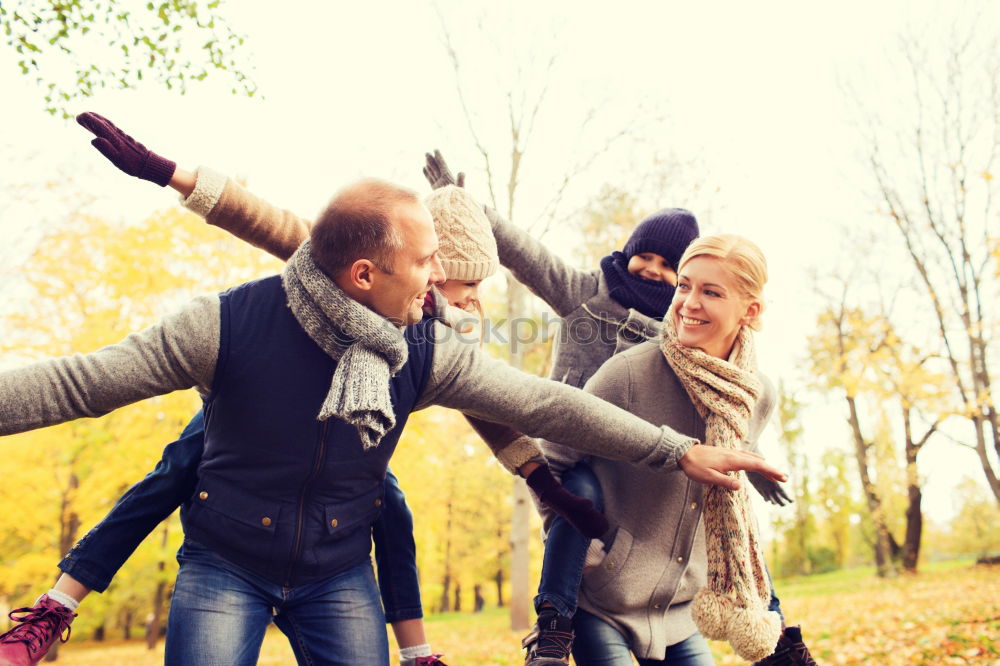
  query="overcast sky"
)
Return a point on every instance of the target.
[{"x": 753, "y": 92}]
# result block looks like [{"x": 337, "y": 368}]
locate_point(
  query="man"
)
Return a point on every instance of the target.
[{"x": 308, "y": 379}]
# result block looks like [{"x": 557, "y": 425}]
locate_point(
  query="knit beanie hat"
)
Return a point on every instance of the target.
[
  {"x": 667, "y": 233},
  {"x": 467, "y": 248}
]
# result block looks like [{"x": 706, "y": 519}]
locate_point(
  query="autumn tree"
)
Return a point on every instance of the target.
[
  {"x": 73, "y": 48},
  {"x": 88, "y": 284},
  {"x": 799, "y": 530},
  {"x": 932, "y": 163},
  {"x": 858, "y": 352}
]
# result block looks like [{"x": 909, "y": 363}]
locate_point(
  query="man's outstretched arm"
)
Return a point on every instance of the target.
[
  {"x": 464, "y": 378},
  {"x": 177, "y": 353}
]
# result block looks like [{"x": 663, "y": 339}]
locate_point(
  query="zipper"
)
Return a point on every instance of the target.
[{"x": 317, "y": 466}]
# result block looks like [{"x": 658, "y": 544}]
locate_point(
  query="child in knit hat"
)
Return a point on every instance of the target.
[
  {"x": 468, "y": 254},
  {"x": 643, "y": 275}
]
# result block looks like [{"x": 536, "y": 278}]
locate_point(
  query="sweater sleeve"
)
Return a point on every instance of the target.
[
  {"x": 177, "y": 353},
  {"x": 222, "y": 202},
  {"x": 611, "y": 383},
  {"x": 550, "y": 278},
  {"x": 464, "y": 378}
]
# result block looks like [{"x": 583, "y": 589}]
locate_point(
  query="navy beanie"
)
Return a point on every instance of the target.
[{"x": 667, "y": 233}]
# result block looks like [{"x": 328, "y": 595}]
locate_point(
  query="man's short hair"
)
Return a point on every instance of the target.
[{"x": 357, "y": 224}]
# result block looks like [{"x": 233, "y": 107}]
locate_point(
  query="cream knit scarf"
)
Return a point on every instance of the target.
[
  {"x": 733, "y": 606},
  {"x": 369, "y": 348}
]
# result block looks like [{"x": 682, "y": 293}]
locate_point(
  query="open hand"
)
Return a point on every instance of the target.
[
  {"x": 125, "y": 152},
  {"x": 710, "y": 464},
  {"x": 438, "y": 174}
]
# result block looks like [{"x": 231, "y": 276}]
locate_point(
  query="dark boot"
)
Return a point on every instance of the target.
[
  {"x": 790, "y": 651},
  {"x": 550, "y": 642}
]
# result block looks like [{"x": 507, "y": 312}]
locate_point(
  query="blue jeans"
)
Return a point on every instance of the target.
[
  {"x": 219, "y": 611},
  {"x": 96, "y": 558},
  {"x": 599, "y": 644},
  {"x": 565, "y": 548}
]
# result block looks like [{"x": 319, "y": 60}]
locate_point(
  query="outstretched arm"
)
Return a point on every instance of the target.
[
  {"x": 213, "y": 196},
  {"x": 464, "y": 378},
  {"x": 177, "y": 353},
  {"x": 550, "y": 278}
]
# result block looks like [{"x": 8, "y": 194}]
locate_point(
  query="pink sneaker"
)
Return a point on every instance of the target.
[
  {"x": 433, "y": 660},
  {"x": 38, "y": 628}
]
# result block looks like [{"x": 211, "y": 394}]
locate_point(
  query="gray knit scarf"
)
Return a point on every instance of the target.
[{"x": 369, "y": 349}]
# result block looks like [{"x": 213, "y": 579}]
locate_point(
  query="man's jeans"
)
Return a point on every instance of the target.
[
  {"x": 566, "y": 550},
  {"x": 219, "y": 612},
  {"x": 96, "y": 558},
  {"x": 599, "y": 644}
]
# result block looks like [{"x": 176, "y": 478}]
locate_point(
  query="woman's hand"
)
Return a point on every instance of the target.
[{"x": 711, "y": 464}]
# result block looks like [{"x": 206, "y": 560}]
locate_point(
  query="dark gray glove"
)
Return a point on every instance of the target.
[
  {"x": 438, "y": 174},
  {"x": 772, "y": 491}
]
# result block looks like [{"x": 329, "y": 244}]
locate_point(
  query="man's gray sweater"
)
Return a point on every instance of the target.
[{"x": 181, "y": 350}]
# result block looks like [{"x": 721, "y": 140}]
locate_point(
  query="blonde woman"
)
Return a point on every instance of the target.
[{"x": 646, "y": 592}]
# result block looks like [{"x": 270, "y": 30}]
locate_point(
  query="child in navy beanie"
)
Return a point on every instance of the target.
[
  {"x": 643, "y": 275},
  {"x": 667, "y": 233}
]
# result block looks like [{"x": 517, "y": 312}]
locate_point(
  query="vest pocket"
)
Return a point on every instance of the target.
[
  {"x": 343, "y": 517},
  {"x": 240, "y": 520},
  {"x": 612, "y": 565}
]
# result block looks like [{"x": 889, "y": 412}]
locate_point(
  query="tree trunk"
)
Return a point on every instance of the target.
[
  {"x": 478, "y": 599},
  {"x": 69, "y": 525},
  {"x": 883, "y": 549},
  {"x": 914, "y": 517},
  {"x": 446, "y": 580},
  {"x": 457, "y": 606},
  {"x": 156, "y": 617},
  {"x": 520, "y": 529},
  {"x": 498, "y": 579}
]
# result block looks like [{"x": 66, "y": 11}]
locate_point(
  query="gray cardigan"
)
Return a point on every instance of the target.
[
  {"x": 595, "y": 326},
  {"x": 657, "y": 560}
]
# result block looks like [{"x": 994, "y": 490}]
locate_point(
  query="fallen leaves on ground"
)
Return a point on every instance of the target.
[{"x": 941, "y": 617}]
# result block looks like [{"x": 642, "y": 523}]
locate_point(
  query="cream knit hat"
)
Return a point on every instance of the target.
[{"x": 467, "y": 249}]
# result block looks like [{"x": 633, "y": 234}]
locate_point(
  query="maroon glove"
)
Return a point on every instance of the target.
[
  {"x": 578, "y": 511},
  {"x": 125, "y": 152}
]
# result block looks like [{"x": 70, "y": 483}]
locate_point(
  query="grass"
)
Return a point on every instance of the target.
[{"x": 947, "y": 614}]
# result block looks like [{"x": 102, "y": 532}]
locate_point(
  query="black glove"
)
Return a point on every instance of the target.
[
  {"x": 125, "y": 152},
  {"x": 438, "y": 174},
  {"x": 772, "y": 491}
]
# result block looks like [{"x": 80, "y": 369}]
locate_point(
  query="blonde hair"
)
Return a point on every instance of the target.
[{"x": 743, "y": 259}]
